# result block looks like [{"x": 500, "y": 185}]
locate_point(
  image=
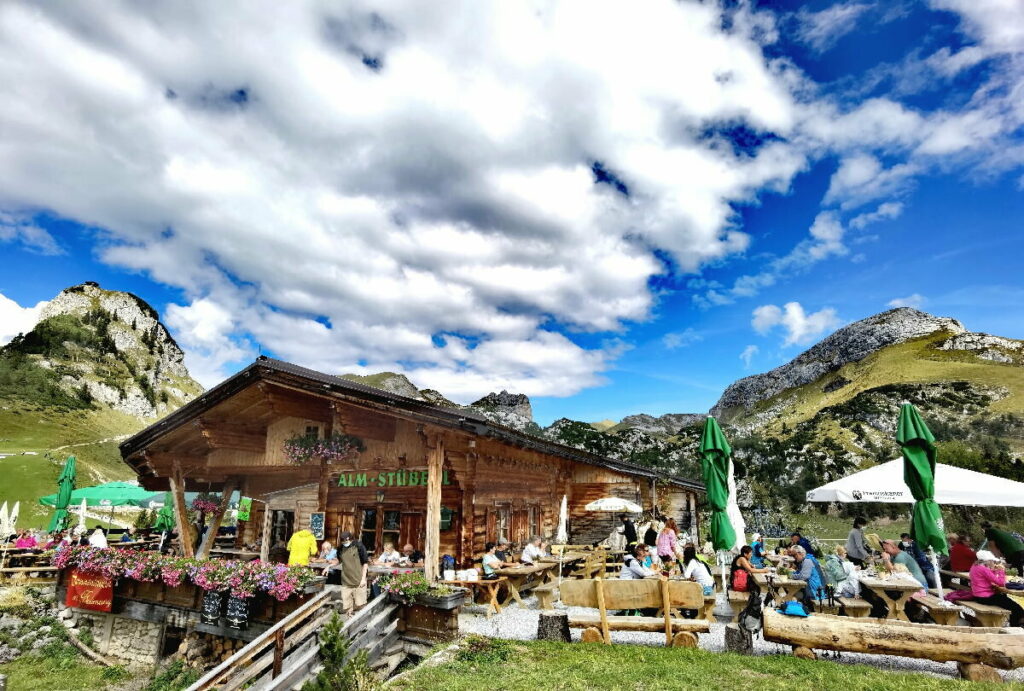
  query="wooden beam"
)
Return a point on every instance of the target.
[
  {"x": 265, "y": 540},
  {"x": 468, "y": 517},
  {"x": 211, "y": 533},
  {"x": 180, "y": 511},
  {"x": 225, "y": 435},
  {"x": 435, "y": 461}
]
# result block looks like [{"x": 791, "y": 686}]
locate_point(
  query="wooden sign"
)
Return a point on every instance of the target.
[
  {"x": 316, "y": 524},
  {"x": 88, "y": 590},
  {"x": 398, "y": 478}
]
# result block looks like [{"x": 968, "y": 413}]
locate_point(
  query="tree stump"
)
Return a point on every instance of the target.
[
  {"x": 738, "y": 640},
  {"x": 684, "y": 639},
  {"x": 804, "y": 653},
  {"x": 553, "y": 625},
  {"x": 972, "y": 672},
  {"x": 592, "y": 635}
]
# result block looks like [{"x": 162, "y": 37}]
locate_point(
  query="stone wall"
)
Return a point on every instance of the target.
[{"x": 129, "y": 640}]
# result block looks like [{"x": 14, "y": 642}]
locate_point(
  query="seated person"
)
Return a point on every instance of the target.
[
  {"x": 491, "y": 562},
  {"x": 390, "y": 556},
  {"x": 910, "y": 546},
  {"x": 411, "y": 556},
  {"x": 632, "y": 565},
  {"x": 806, "y": 568},
  {"x": 533, "y": 551},
  {"x": 961, "y": 556},
  {"x": 128, "y": 535},
  {"x": 798, "y": 540},
  {"x": 742, "y": 571},
  {"x": 695, "y": 569},
  {"x": 841, "y": 574},
  {"x": 988, "y": 575},
  {"x": 503, "y": 551},
  {"x": 327, "y": 557},
  {"x": 892, "y": 555}
]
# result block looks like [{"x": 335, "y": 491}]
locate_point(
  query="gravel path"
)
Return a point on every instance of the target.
[{"x": 520, "y": 623}]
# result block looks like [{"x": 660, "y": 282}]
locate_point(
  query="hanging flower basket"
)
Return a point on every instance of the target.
[
  {"x": 207, "y": 503},
  {"x": 336, "y": 448}
]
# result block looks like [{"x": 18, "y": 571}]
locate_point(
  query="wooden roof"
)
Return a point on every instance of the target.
[{"x": 296, "y": 378}]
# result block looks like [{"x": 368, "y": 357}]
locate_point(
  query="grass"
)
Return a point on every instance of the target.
[
  {"x": 532, "y": 665},
  {"x": 59, "y": 667}
]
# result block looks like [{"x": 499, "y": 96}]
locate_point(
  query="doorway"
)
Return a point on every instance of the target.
[{"x": 281, "y": 526}]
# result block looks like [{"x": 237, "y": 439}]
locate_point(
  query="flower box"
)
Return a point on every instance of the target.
[
  {"x": 449, "y": 601},
  {"x": 316, "y": 586}
]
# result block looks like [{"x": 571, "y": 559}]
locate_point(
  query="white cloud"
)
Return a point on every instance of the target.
[
  {"x": 884, "y": 212},
  {"x": 29, "y": 235},
  {"x": 681, "y": 339},
  {"x": 799, "y": 327},
  {"x": 916, "y": 300},
  {"x": 748, "y": 354},
  {"x": 406, "y": 185},
  {"x": 861, "y": 178},
  {"x": 821, "y": 30},
  {"x": 15, "y": 319}
]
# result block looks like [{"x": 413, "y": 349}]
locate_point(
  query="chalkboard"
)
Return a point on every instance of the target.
[{"x": 316, "y": 524}]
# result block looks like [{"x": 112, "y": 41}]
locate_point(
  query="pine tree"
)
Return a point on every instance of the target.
[{"x": 339, "y": 674}]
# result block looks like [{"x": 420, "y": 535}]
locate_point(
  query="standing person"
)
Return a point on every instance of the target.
[
  {"x": 667, "y": 542},
  {"x": 1008, "y": 545},
  {"x": 961, "y": 556},
  {"x": 857, "y": 549},
  {"x": 651, "y": 535},
  {"x": 629, "y": 530},
  {"x": 301, "y": 546},
  {"x": 987, "y": 576},
  {"x": 742, "y": 570},
  {"x": 354, "y": 563},
  {"x": 892, "y": 554},
  {"x": 696, "y": 570},
  {"x": 757, "y": 551},
  {"x": 533, "y": 551},
  {"x": 798, "y": 540}
]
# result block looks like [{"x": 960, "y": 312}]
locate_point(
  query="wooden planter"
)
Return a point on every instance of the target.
[
  {"x": 451, "y": 601},
  {"x": 433, "y": 618}
]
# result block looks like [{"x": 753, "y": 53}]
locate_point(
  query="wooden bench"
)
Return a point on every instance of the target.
[
  {"x": 629, "y": 594},
  {"x": 979, "y": 614},
  {"x": 545, "y": 593},
  {"x": 593, "y": 567},
  {"x": 709, "y": 606},
  {"x": 855, "y": 607},
  {"x": 737, "y": 601},
  {"x": 941, "y": 612},
  {"x": 29, "y": 574}
]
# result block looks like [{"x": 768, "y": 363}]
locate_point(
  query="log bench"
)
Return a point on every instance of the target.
[
  {"x": 708, "y": 610},
  {"x": 855, "y": 607},
  {"x": 988, "y": 616},
  {"x": 941, "y": 612},
  {"x": 629, "y": 594},
  {"x": 737, "y": 601},
  {"x": 545, "y": 594}
]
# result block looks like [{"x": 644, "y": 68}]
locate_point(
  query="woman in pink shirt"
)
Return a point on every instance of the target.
[
  {"x": 25, "y": 540},
  {"x": 987, "y": 577},
  {"x": 667, "y": 542}
]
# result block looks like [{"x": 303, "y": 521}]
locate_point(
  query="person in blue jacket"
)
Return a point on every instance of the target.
[
  {"x": 796, "y": 539},
  {"x": 807, "y": 568}
]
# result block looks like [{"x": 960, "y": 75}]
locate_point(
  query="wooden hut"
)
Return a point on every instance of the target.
[{"x": 447, "y": 480}]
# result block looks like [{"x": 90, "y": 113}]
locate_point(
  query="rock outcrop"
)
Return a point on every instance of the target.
[
  {"x": 849, "y": 344},
  {"x": 665, "y": 426}
]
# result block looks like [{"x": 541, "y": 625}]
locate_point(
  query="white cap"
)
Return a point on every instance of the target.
[{"x": 985, "y": 555}]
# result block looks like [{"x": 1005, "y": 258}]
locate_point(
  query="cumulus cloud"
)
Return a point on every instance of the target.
[
  {"x": 884, "y": 212},
  {"x": 916, "y": 300},
  {"x": 799, "y": 327},
  {"x": 748, "y": 354},
  {"x": 681, "y": 339},
  {"x": 15, "y": 319}
]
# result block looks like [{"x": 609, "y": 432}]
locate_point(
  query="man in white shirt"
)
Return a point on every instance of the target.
[{"x": 533, "y": 551}]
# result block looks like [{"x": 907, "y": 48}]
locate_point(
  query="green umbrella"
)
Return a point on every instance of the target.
[
  {"x": 714, "y": 459},
  {"x": 918, "y": 446},
  {"x": 165, "y": 519},
  {"x": 106, "y": 495},
  {"x": 65, "y": 486}
]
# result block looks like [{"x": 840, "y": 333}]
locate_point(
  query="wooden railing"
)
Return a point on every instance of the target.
[{"x": 287, "y": 653}]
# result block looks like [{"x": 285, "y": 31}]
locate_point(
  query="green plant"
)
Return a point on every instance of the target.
[
  {"x": 340, "y": 672},
  {"x": 115, "y": 673},
  {"x": 173, "y": 677},
  {"x": 86, "y": 638},
  {"x": 406, "y": 586},
  {"x": 481, "y": 649},
  {"x": 338, "y": 447}
]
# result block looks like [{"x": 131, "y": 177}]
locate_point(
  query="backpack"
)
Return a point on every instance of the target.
[{"x": 740, "y": 579}]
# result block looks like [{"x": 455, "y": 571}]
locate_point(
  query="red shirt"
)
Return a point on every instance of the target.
[{"x": 961, "y": 557}]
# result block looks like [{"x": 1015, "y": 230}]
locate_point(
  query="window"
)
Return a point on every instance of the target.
[
  {"x": 389, "y": 531},
  {"x": 503, "y": 524},
  {"x": 369, "y": 531},
  {"x": 532, "y": 527},
  {"x": 312, "y": 431},
  {"x": 380, "y": 526}
]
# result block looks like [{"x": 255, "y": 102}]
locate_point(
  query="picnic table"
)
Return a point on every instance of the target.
[
  {"x": 567, "y": 558},
  {"x": 782, "y": 588},
  {"x": 240, "y": 554},
  {"x": 893, "y": 592},
  {"x": 958, "y": 580},
  {"x": 524, "y": 578},
  {"x": 488, "y": 588}
]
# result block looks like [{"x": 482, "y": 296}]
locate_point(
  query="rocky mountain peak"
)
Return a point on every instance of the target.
[
  {"x": 388, "y": 381},
  {"x": 851, "y": 343},
  {"x": 511, "y": 403},
  {"x": 108, "y": 348},
  {"x": 664, "y": 426}
]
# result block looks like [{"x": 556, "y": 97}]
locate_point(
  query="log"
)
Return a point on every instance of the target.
[
  {"x": 991, "y": 647},
  {"x": 89, "y": 652},
  {"x": 553, "y": 626},
  {"x": 738, "y": 640},
  {"x": 592, "y": 635},
  {"x": 684, "y": 639},
  {"x": 979, "y": 673}
]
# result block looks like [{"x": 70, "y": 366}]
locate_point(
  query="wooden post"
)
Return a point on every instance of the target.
[
  {"x": 278, "y": 653},
  {"x": 468, "y": 517},
  {"x": 265, "y": 541},
  {"x": 432, "y": 548},
  {"x": 666, "y": 606},
  {"x": 211, "y": 533},
  {"x": 180, "y": 511},
  {"x": 605, "y": 631}
]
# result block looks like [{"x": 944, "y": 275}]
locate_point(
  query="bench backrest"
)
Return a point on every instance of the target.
[{"x": 632, "y": 594}]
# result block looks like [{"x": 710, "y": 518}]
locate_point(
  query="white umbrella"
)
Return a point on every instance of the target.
[
  {"x": 562, "y": 536},
  {"x": 80, "y": 530},
  {"x": 613, "y": 504},
  {"x": 732, "y": 508},
  {"x": 12, "y": 520},
  {"x": 3, "y": 522}
]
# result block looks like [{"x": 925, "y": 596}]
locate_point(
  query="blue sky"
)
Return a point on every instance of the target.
[{"x": 639, "y": 208}]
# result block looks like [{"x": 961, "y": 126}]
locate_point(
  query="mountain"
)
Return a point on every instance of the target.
[{"x": 98, "y": 366}]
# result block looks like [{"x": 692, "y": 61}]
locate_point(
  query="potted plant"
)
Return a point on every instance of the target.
[
  {"x": 212, "y": 577},
  {"x": 413, "y": 587}
]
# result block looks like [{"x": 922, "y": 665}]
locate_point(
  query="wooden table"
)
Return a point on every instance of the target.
[
  {"x": 901, "y": 589},
  {"x": 782, "y": 588},
  {"x": 489, "y": 588},
  {"x": 957, "y": 580},
  {"x": 238, "y": 554},
  {"x": 524, "y": 578},
  {"x": 567, "y": 558}
]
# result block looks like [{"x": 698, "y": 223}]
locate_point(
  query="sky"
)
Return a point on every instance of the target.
[{"x": 612, "y": 207}]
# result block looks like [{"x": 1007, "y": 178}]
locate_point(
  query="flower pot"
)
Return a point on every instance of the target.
[
  {"x": 316, "y": 586},
  {"x": 238, "y": 613},
  {"x": 449, "y": 601},
  {"x": 213, "y": 600}
]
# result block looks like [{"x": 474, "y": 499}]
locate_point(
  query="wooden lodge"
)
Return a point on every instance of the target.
[{"x": 423, "y": 465}]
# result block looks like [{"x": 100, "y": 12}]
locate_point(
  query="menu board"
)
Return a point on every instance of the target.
[{"x": 316, "y": 524}]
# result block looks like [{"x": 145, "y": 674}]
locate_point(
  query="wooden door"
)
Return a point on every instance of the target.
[{"x": 412, "y": 529}]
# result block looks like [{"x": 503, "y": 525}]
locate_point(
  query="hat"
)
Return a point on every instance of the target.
[
  {"x": 345, "y": 535},
  {"x": 985, "y": 555},
  {"x": 755, "y": 537},
  {"x": 502, "y": 540}
]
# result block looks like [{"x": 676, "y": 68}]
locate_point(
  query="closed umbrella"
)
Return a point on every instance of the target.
[
  {"x": 714, "y": 460},
  {"x": 562, "y": 535},
  {"x": 739, "y": 526},
  {"x": 80, "y": 530},
  {"x": 165, "y": 517},
  {"x": 918, "y": 447},
  {"x": 65, "y": 486},
  {"x": 4, "y": 533}
]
